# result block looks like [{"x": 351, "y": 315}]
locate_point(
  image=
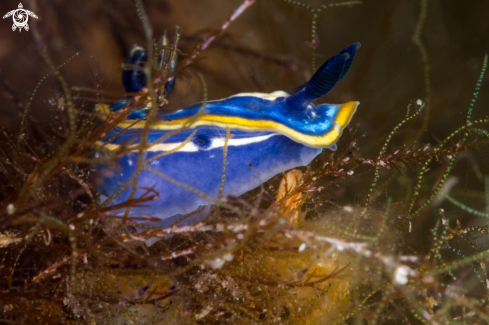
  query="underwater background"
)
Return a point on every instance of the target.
[{"x": 393, "y": 232}]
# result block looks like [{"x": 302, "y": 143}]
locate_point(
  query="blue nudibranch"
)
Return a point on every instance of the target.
[{"x": 271, "y": 133}]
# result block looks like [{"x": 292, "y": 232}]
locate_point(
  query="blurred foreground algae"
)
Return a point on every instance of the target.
[{"x": 297, "y": 250}]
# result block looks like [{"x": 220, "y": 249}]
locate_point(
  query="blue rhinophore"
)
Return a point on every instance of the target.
[
  {"x": 134, "y": 78},
  {"x": 271, "y": 133}
]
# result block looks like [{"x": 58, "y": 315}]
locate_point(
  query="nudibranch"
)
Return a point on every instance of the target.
[{"x": 271, "y": 133}]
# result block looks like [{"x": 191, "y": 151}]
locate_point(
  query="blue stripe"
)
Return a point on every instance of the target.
[{"x": 315, "y": 121}]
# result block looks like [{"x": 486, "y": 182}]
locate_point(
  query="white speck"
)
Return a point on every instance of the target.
[
  {"x": 401, "y": 275},
  {"x": 314, "y": 178},
  {"x": 410, "y": 226},
  {"x": 419, "y": 102},
  {"x": 10, "y": 209},
  {"x": 212, "y": 156},
  {"x": 339, "y": 247},
  {"x": 348, "y": 208},
  {"x": 350, "y": 172},
  {"x": 72, "y": 227},
  {"x": 487, "y": 284},
  {"x": 302, "y": 247},
  {"x": 122, "y": 174},
  {"x": 97, "y": 155},
  {"x": 154, "y": 163},
  {"x": 217, "y": 263},
  {"x": 129, "y": 161},
  {"x": 240, "y": 236}
]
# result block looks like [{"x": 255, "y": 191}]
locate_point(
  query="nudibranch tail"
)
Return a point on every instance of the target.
[{"x": 324, "y": 79}]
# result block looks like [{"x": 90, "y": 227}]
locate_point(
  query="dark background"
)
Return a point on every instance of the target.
[{"x": 386, "y": 76}]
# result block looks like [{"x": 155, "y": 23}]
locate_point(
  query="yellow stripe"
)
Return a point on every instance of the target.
[{"x": 345, "y": 113}]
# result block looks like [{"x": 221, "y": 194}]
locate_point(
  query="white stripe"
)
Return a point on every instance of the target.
[
  {"x": 192, "y": 147},
  {"x": 270, "y": 96},
  {"x": 267, "y": 96},
  {"x": 219, "y": 142},
  {"x": 215, "y": 143}
]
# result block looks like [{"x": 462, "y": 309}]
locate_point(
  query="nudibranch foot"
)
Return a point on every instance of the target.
[{"x": 271, "y": 133}]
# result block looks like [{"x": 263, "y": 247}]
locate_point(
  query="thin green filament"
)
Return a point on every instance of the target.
[
  {"x": 486, "y": 183},
  {"x": 425, "y": 61},
  {"x": 417, "y": 188},
  {"x": 26, "y": 109},
  {"x": 224, "y": 166},
  {"x": 477, "y": 89},
  {"x": 465, "y": 207},
  {"x": 382, "y": 152},
  {"x": 141, "y": 161},
  {"x": 437, "y": 189}
]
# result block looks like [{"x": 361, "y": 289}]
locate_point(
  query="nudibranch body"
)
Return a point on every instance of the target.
[{"x": 271, "y": 133}]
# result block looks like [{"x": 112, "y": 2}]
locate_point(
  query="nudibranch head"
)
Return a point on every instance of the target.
[{"x": 271, "y": 133}]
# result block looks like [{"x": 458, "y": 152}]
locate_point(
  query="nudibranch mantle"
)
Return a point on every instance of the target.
[{"x": 271, "y": 133}]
